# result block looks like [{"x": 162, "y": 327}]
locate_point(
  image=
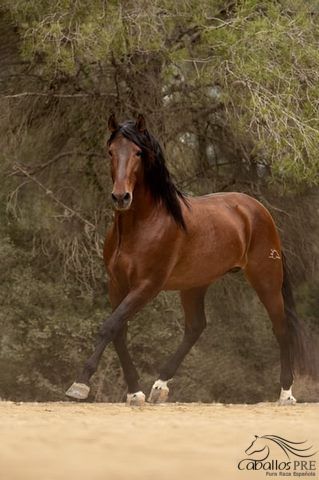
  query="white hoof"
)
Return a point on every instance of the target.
[
  {"x": 159, "y": 392},
  {"x": 79, "y": 391},
  {"x": 135, "y": 399},
  {"x": 286, "y": 398}
]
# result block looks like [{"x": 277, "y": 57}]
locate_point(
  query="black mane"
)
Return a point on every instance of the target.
[{"x": 156, "y": 174}]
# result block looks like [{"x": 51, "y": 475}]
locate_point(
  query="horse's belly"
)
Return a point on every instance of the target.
[
  {"x": 203, "y": 270},
  {"x": 186, "y": 282}
]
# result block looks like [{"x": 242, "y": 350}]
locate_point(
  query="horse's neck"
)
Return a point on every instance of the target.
[
  {"x": 267, "y": 443},
  {"x": 143, "y": 207},
  {"x": 143, "y": 203},
  {"x": 270, "y": 445}
]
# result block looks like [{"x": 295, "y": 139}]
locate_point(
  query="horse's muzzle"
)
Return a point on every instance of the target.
[{"x": 122, "y": 201}]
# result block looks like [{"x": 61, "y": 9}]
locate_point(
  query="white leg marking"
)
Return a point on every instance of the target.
[
  {"x": 286, "y": 397},
  {"x": 135, "y": 399},
  {"x": 159, "y": 392}
]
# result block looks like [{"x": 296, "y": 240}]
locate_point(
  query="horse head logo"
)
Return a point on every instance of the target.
[{"x": 259, "y": 449}]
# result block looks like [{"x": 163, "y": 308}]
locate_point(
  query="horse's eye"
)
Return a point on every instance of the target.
[
  {"x": 110, "y": 153},
  {"x": 139, "y": 154}
]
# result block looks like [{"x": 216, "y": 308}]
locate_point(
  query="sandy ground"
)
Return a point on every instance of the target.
[{"x": 114, "y": 442}]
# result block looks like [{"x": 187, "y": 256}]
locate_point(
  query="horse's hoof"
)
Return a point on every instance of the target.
[
  {"x": 78, "y": 391},
  {"x": 286, "y": 398},
  {"x": 288, "y": 401},
  {"x": 135, "y": 399},
  {"x": 159, "y": 392}
]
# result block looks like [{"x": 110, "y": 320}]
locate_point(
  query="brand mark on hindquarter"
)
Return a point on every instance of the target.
[{"x": 274, "y": 254}]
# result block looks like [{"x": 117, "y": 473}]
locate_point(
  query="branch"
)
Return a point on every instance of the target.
[
  {"x": 187, "y": 181},
  {"x": 57, "y": 95},
  {"x": 42, "y": 166},
  {"x": 54, "y": 198}
]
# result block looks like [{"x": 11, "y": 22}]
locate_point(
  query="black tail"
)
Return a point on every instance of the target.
[{"x": 303, "y": 354}]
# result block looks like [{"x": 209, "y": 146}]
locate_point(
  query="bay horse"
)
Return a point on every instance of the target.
[{"x": 161, "y": 239}]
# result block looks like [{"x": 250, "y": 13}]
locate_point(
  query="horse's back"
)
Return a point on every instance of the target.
[
  {"x": 226, "y": 210},
  {"x": 232, "y": 208},
  {"x": 228, "y": 199},
  {"x": 221, "y": 229}
]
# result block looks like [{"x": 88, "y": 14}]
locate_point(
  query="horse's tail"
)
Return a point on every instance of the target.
[{"x": 303, "y": 354}]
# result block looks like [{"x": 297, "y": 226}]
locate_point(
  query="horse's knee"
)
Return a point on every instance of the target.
[{"x": 109, "y": 330}]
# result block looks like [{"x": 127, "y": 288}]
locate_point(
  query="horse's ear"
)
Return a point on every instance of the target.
[
  {"x": 112, "y": 123},
  {"x": 140, "y": 123}
]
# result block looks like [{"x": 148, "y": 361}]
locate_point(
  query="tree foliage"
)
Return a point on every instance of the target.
[{"x": 258, "y": 60}]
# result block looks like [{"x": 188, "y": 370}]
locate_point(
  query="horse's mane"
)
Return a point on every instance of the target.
[
  {"x": 156, "y": 174},
  {"x": 288, "y": 446}
]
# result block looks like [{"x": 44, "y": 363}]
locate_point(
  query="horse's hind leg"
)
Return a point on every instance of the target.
[
  {"x": 266, "y": 277},
  {"x": 134, "y": 396},
  {"x": 195, "y": 322}
]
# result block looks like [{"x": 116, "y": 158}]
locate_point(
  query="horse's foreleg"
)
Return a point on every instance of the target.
[
  {"x": 110, "y": 329},
  {"x": 195, "y": 322}
]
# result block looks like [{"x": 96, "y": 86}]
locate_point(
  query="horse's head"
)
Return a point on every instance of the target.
[
  {"x": 256, "y": 446},
  {"x": 137, "y": 159},
  {"x": 126, "y": 159}
]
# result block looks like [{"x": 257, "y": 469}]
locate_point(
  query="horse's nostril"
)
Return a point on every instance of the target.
[{"x": 121, "y": 199}]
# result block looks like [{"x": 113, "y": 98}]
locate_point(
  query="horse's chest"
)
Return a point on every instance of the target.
[{"x": 119, "y": 265}]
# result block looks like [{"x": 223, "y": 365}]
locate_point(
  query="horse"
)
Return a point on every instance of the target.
[{"x": 162, "y": 239}]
